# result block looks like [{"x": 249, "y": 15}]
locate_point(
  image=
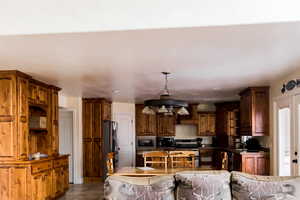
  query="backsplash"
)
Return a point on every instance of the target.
[{"x": 190, "y": 132}]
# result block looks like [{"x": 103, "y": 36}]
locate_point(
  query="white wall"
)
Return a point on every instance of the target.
[
  {"x": 275, "y": 94},
  {"x": 75, "y": 104}
]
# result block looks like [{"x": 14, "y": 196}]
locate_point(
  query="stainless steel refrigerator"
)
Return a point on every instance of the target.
[{"x": 109, "y": 142}]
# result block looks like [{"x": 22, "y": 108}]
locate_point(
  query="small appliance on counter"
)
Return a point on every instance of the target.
[{"x": 252, "y": 145}]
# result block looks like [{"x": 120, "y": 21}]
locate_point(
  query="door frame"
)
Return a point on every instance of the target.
[
  {"x": 75, "y": 150},
  {"x": 132, "y": 116},
  {"x": 289, "y": 100}
]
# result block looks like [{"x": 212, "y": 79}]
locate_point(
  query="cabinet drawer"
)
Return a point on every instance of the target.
[
  {"x": 39, "y": 167},
  {"x": 60, "y": 163}
]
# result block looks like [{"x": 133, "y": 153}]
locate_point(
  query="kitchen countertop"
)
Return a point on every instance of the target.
[{"x": 237, "y": 151}]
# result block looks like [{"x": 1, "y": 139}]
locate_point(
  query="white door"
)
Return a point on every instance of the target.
[
  {"x": 285, "y": 137},
  {"x": 125, "y": 139},
  {"x": 66, "y": 138}
]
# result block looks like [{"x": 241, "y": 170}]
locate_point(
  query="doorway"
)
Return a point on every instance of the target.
[
  {"x": 125, "y": 139},
  {"x": 66, "y": 138},
  {"x": 287, "y": 126}
]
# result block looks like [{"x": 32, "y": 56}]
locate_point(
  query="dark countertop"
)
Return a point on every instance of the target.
[{"x": 237, "y": 151}]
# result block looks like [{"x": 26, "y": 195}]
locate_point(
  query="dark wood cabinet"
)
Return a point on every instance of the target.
[
  {"x": 145, "y": 124},
  {"x": 206, "y": 124},
  {"x": 166, "y": 125},
  {"x": 139, "y": 160},
  {"x": 254, "y": 111},
  {"x": 255, "y": 163},
  {"x": 94, "y": 111}
]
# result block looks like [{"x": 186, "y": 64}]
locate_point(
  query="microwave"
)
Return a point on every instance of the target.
[{"x": 146, "y": 141}]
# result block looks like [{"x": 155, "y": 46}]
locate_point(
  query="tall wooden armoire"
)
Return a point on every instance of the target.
[{"x": 95, "y": 111}]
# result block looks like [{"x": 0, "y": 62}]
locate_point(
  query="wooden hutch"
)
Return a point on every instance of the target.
[{"x": 29, "y": 124}]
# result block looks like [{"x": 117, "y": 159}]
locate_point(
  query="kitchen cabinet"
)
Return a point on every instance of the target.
[
  {"x": 38, "y": 93},
  {"x": 94, "y": 112},
  {"x": 227, "y": 116},
  {"x": 145, "y": 124},
  {"x": 20, "y": 96},
  {"x": 166, "y": 125},
  {"x": 206, "y": 124},
  {"x": 255, "y": 163},
  {"x": 254, "y": 111}
]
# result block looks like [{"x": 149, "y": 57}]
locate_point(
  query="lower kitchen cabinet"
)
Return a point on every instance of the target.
[
  {"x": 45, "y": 179},
  {"x": 255, "y": 163},
  {"x": 252, "y": 163}
]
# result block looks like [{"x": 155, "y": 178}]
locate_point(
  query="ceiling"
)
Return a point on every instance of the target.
[
  {"x": 61, "y": 16},
  {"x": 207, "y": 63}
]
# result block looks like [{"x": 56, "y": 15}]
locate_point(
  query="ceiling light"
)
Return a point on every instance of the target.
[
  {"x": 166, "y": 104},
  {"x": 148, "y": 111},
  {"x": 183, "y": 111}
]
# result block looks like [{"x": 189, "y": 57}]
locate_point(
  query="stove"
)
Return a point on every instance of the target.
[{"x": 188, "y": 143}]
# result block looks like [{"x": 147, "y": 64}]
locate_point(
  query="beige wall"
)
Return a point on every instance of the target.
[{"x": 275, "y": 94}]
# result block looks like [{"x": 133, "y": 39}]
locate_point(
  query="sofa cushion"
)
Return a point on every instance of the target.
[
  {"x": 203, "y": 185},
  {"x": 139, "y": 188},
  {"x": 245, "y": 186}
]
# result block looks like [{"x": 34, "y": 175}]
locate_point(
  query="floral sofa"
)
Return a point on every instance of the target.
[{"x": 202, "y": 185}]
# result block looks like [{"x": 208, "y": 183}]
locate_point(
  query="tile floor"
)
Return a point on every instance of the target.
[{"x": 89, "y": 191}]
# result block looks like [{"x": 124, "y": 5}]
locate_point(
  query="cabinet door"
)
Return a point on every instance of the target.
[
  {"x": 54, "y": 121},
  {"x": 261, "y": 166},
  {"x": 42, "y": 95},
  {"x": 66, "y": 177},
  {"x": 8, "y": 116},
  {"x": 47, "y": 183},
  {"x": 261, "y": 113},
  {"x": 160, "y": 125},
  {"x": 106, "y": 110},
  {"x": 141, "y": 121},
  {"x": 165, "y": 125},
  {"x": 246, "y": 114},
  {"x": 170, "y": 125},
  {"x": 92, "y": 159},
  {"x": 32, "y": 93},
  {"x": 211, "y": 124},
  {"x": 23, "y": 117},
  {"x": 249, "y": 164},
  {"x": 151, "y": 129},
  {"x": 37, "y": 187},
  {"x": 203, "y": 124}
]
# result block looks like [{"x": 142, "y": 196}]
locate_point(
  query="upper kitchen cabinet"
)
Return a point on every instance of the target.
[
  {"x": 38, "y": 93},
  {"x": 206, "y": 124},
  {"x": 145, "y": 124},
  {"x": 227, "y": 116},
  {"x": 166, "y": 125},
  {"x": 254, "y": 111}
]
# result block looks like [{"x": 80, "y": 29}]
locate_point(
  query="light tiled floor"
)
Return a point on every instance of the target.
[{"x": 89, "y": 191}]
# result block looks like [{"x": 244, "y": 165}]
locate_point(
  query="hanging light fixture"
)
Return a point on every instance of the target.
[{"x": 165, "y": 104}]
